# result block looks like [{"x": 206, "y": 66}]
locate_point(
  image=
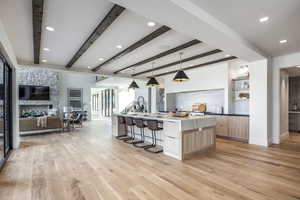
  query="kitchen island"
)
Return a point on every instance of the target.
[{"x": 181, "y": 137}]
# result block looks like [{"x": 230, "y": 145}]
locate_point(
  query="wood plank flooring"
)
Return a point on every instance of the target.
[{"x": 88, "y": 164}]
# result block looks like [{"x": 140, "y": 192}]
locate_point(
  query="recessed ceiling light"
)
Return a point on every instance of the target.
[
  {"x": 119, "y": 46},
  {"x": 264, "y": 19},
  {"x": 46, "y": 49},
  {"x": 89, "y": 67},
  {"x": 151, "y": 24},
  {"x": 44, "y": 61},
  {"x": 227, "y": 55},
  {"x": 101, "y": 59},
  {"x": 49, "y": 28},
  {"x": 282, "y": 41}
]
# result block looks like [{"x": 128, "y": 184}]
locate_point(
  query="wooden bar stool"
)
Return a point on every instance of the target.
[
  {"x": 153, "y": 125},
  {"x": 142, "y": 142}
]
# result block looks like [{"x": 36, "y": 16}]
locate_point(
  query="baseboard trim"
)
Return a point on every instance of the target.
[
  {"x": 284, "y": 136},
  {"x": 35, "y": 132}
]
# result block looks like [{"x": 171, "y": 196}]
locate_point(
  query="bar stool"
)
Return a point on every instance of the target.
[
  {"x": 130, "y": 123},
  {"x": 121, "y": 122},
  {"x": 153, "y": 125},
  {"x": 142, "y": 142}
]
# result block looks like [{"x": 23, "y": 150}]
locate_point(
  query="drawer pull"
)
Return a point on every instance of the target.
[{"x": 171, "y": 137}]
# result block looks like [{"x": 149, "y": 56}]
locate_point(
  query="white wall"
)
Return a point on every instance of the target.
[
  {"x": 205, "y": 78},
  {"x": 259, "y": 103},
  {"x": 212, "y": 98},
  {"x": 143, "y": 91},
  {"x": 76, "y": 80},
  {"x": 125, "y": 97},
  {"x": 211, "y": 77}
]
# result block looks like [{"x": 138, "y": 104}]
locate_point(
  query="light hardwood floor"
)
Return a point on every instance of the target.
[{"x": 90, "y": 164}]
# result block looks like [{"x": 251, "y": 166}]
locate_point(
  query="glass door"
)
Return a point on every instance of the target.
[
  {"x": 5, "y": 111},
  {"x": 2, "y": 147}
]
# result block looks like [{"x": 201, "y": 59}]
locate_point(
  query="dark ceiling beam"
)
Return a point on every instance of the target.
[
  {"x": 134, "y": 46},
  {"x": 162, "y": 54},
  {"x": 112, "y": 15},
  {"x": 37, "y": 20},
  {"x": 202, "y": 55},
  {"x": 197, "y": 66}
]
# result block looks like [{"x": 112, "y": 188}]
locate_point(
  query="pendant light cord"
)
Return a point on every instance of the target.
[
  {"x": 152, "y": 68},
  {"x": 180, "y": 54}
]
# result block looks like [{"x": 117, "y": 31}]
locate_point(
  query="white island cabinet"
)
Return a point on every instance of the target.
[{"x": 181, "y": 137}]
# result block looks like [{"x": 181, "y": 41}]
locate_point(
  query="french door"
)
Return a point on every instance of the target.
[{"x": 5, "y": 111}]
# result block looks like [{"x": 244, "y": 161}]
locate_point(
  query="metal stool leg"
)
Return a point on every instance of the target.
[
  {"x": 129, "y": 137},
  {"x": 141, "y": 143},
  {"x": 153, "y": 148}
]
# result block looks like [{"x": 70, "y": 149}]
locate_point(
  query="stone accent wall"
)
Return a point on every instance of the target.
[{"x": 39, "y": 77}]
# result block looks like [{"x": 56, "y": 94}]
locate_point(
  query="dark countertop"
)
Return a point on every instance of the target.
[
  {"x": 210, "y": 113},
  {"x": 230, "y": 114}
]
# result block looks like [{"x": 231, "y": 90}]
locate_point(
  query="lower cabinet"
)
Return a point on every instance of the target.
[
  {"x": 172, "y": 147},
  {"x": 222, "y": 126},
  {"x": 172, "y": 139},
  {"x": 234, "y": 127}
]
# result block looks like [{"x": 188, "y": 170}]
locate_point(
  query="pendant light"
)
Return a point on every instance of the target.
[
  {"x": 133, "y": 85},
  {"x": 180, "y": 75},
  {"x": 152, "y": 81}
]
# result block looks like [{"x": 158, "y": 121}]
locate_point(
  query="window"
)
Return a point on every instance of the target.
[{"x": 75, "y": 98}]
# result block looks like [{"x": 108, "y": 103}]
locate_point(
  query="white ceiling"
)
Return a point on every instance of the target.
[
  {"x": 243, "y": 17},
  {"x": 16, "y": 17},
  {"x": 74, "y": 20},
  {"x": 125, "y": 30}
]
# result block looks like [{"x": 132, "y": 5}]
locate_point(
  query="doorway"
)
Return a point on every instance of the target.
[
  {"x": 103, "y": 103},
  {"x": 289, "y": 104}
]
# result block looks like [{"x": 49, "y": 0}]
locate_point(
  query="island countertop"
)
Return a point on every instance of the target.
[
  {"x": 186, "y": 123},
  {"x": 181, "y": 137}
]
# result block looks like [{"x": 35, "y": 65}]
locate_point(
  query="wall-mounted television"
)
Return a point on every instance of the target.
[{"x": 30, "y": 92}]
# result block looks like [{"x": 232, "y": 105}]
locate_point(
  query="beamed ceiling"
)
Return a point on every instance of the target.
[{"x": 87, "y": 33}]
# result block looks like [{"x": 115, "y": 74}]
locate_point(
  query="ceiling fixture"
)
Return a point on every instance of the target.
[
  {"x": 227, "y": 55},
  {"x": 152, "y": 81},
  {"x": 119, "y": 46},
  {"x": 89, "y": 67},
  {"x": 44, "y": 61},
  {"x": 180, "y": 75},
  {"x": 151, "y": 24},
  {"x": 49, "y": 28},
  {"x": 282, "y": 41},
  {"x": 46, "y": 49},
  {"x": 133, "y": 85},
  {"x": 101, "y": 59},
  {"x": 264, "y": 19}
]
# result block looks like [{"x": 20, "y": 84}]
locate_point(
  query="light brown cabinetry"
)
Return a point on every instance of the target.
[
  {"x": 222, "y": 126},
  {"x": 234, "y": 127}
]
